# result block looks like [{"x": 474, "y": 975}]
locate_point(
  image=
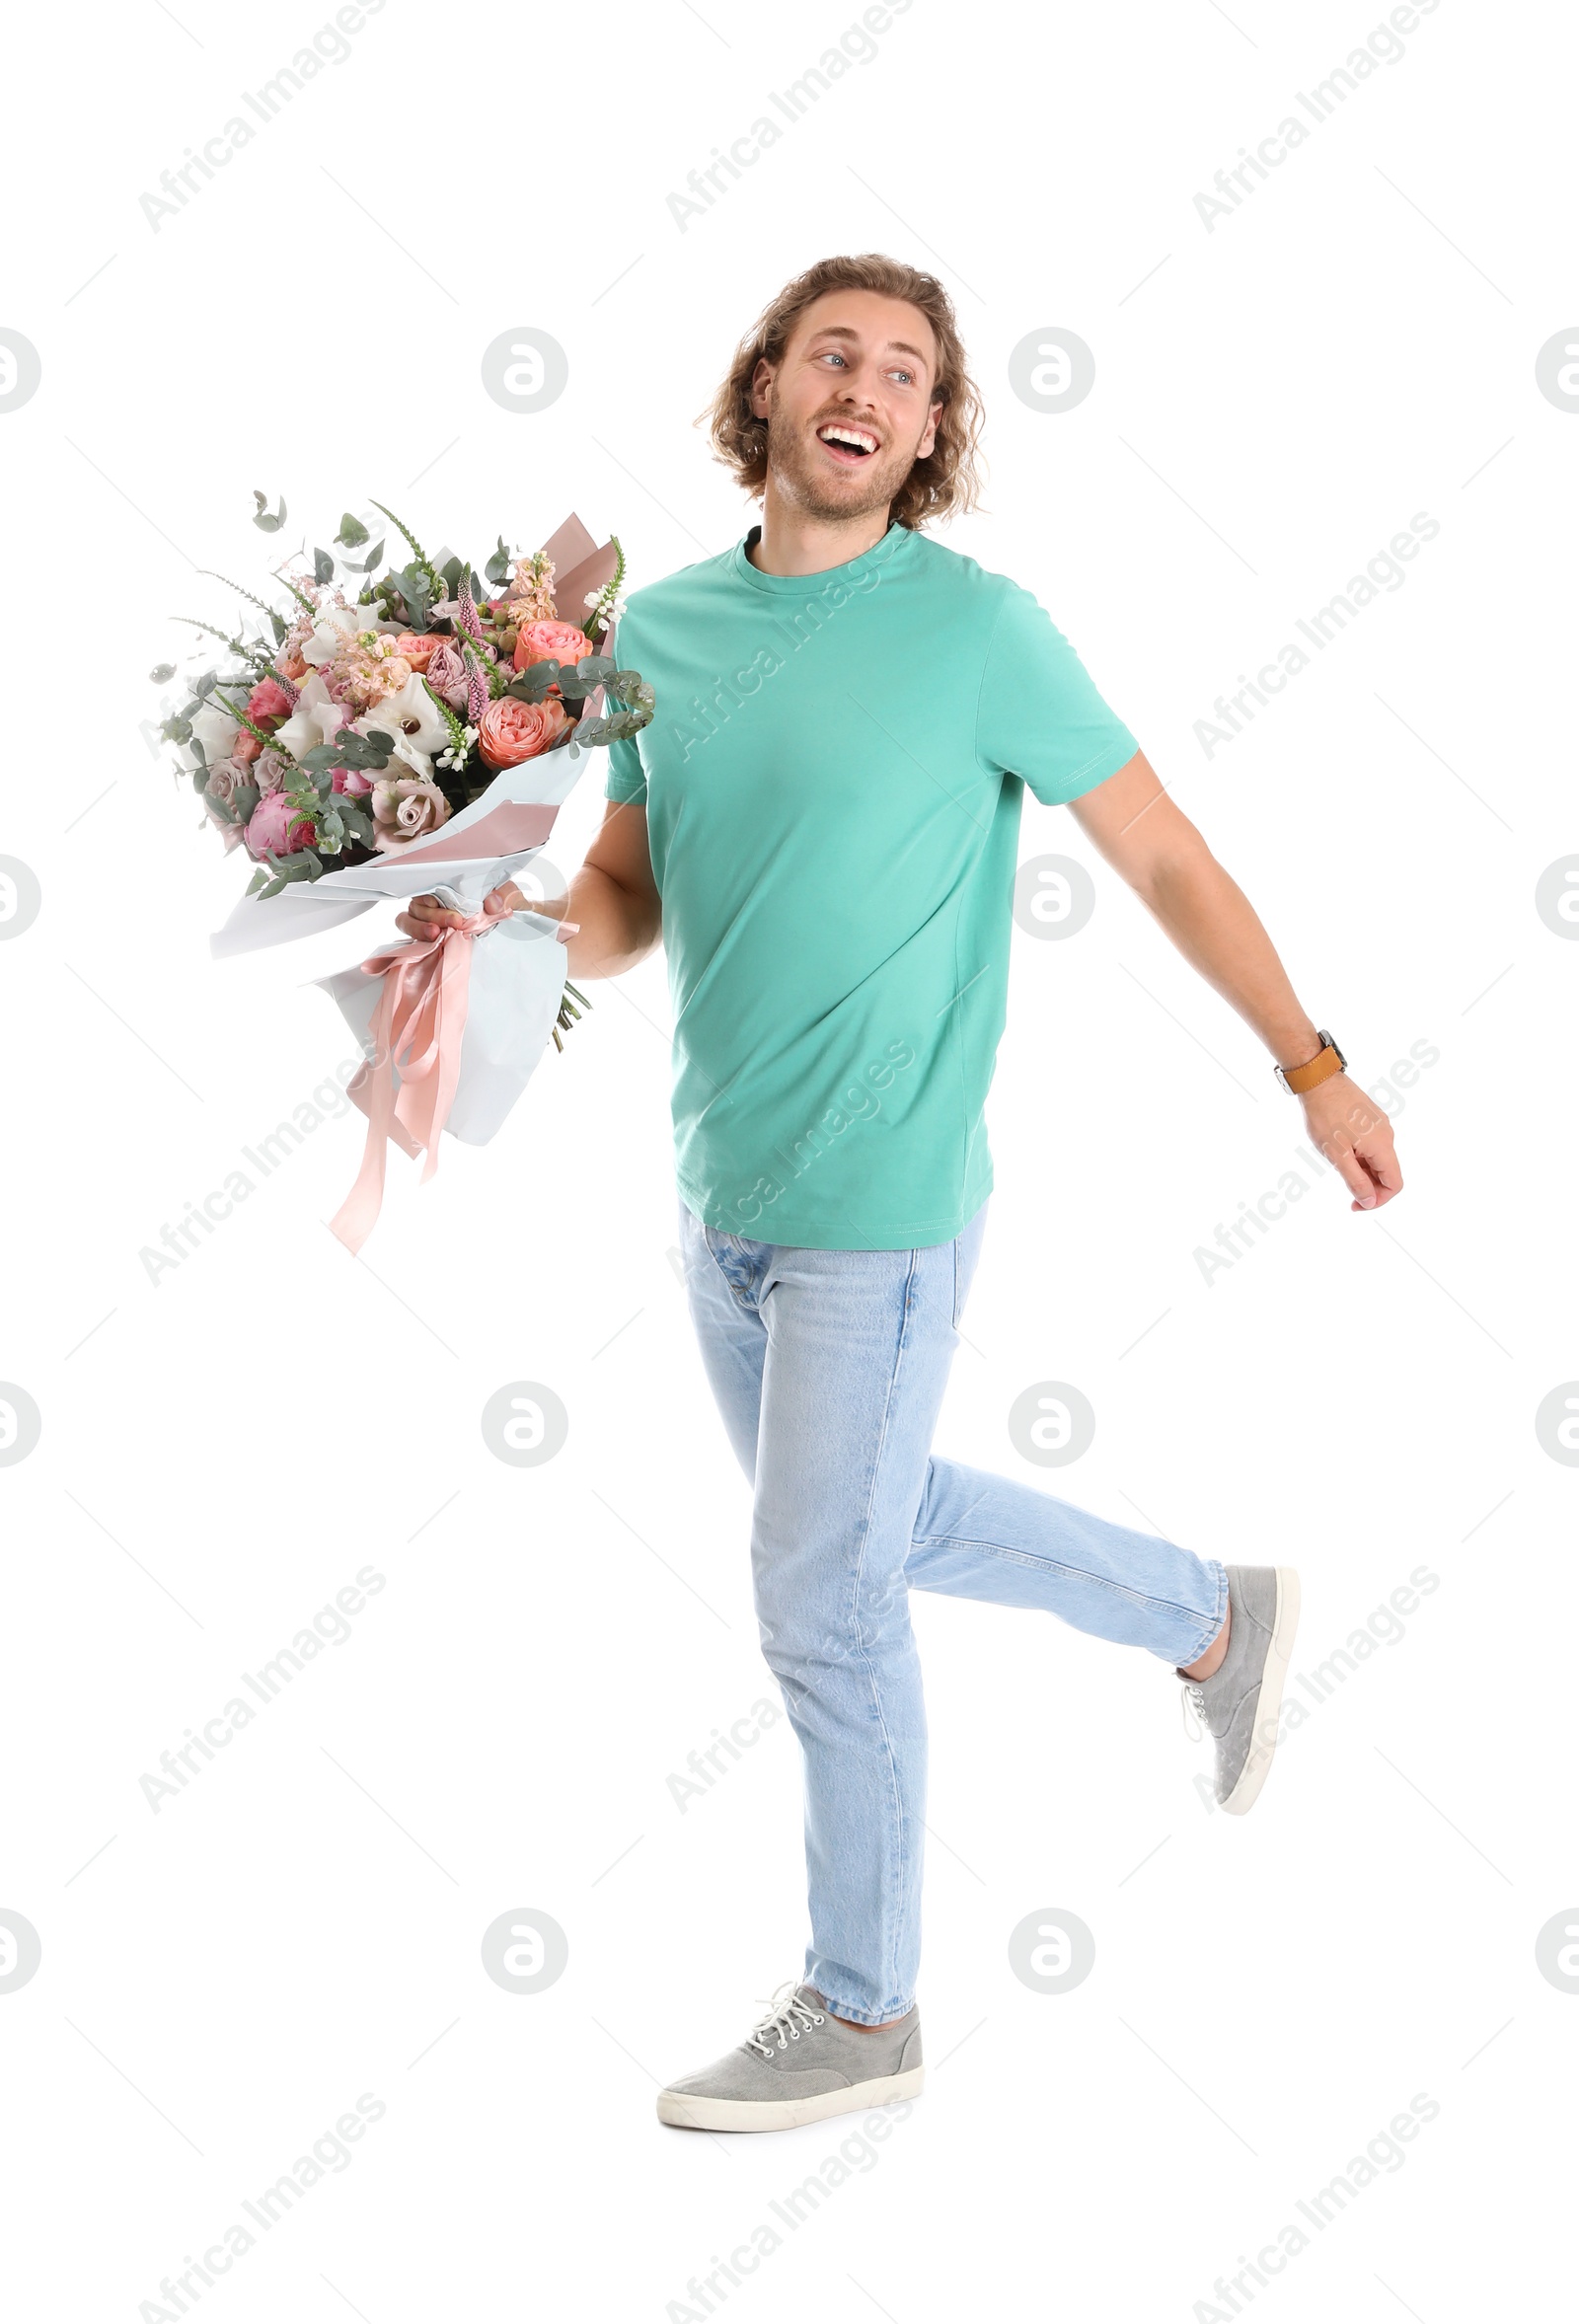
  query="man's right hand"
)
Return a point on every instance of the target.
[{"x": 426, "y": 914}]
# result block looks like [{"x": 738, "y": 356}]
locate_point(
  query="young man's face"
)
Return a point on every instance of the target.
[{"x": 859, "y": 363}]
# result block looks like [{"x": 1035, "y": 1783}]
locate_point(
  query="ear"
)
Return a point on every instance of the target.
[
  {"x": 761, "y": 382},
  {"x": 930, "y": 436}
]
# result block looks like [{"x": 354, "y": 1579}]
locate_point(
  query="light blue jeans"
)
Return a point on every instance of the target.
[{"x": 829, "y": 1369}]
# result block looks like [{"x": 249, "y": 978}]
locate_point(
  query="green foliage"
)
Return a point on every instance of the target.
[
  {"x": 161, "y": 673},
  {"x": 265, "y": 522},
  {"x": 498, "y": 567},
  {"x": 323, "y": 567},
  {"x": 352, "y": 532}
]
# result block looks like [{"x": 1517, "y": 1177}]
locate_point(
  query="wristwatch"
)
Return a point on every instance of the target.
[{"x": 1328, "y": 1061}]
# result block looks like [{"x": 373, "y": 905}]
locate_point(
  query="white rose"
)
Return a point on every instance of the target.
[{"x": 216, "y": 730}]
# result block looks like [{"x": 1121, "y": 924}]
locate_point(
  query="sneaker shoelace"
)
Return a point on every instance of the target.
[
  {"x": 1192, "y": 1704},
  {"x": 786, "y": 2019}
]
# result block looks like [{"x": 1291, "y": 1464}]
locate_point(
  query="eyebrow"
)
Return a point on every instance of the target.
[{"x": 899, "y": 346}]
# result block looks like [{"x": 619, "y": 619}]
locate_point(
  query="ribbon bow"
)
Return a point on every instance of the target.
[{"x": 417, "y": 1029}]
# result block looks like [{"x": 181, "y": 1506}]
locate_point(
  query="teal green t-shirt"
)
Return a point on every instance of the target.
[{"x": 833, "y": 784}]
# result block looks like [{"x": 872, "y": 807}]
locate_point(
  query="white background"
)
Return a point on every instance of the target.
[{"x": 223, "y": 1450}]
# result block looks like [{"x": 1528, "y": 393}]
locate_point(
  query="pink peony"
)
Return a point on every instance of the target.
[
  {"x": 278, "y": 827},
  {"x": 352, "y": 781},
  {"x": 542, "y": 642}
]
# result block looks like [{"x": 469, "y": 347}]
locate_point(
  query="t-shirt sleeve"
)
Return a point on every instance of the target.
[
  {"x": 1040, "y": 714},
  {"x": 626, "y": 781}
]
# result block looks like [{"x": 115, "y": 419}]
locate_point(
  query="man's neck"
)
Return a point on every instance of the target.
[{"x": 792, "y": 542}]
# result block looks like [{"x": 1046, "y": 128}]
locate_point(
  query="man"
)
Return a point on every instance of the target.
[{"x": 822, "y": 821}]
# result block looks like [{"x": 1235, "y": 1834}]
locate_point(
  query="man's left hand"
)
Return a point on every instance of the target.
[{"x": 1356, "y": 1138}]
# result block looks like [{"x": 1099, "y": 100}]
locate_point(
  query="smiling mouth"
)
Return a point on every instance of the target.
[{"x": 848, "y": 445}]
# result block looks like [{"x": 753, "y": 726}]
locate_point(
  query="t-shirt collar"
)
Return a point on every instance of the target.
[{"x": 799, "y": 585}]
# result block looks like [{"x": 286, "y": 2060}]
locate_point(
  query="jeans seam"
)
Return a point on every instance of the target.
[
  {"x": 1056, "y": 1565},
  {"x": 891, "y": 1932}
]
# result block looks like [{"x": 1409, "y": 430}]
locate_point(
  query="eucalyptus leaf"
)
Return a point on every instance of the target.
[
  {"x": 352, "y": 533},
  {"x": 498, "y": 567},
  {"x": 271, "y": 887},
  {"x": 265, "y": 522},
  {"x": 278, "y": 627},
  {"x": 257, "y": 882},
  {"x": 161, "y": 673},
  {"x": 323, "y": 565},
  {"x": 246, "y": 800}
]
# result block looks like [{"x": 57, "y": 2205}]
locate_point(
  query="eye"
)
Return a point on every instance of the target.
[
  {"x": 830, "y": 356},
  {"x": 908, "y": 377}
]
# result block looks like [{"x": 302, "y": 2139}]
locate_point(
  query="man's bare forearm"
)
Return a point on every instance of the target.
[
  {"x": 1213, "y": 922},
  {"x": 614, "y": 927}
]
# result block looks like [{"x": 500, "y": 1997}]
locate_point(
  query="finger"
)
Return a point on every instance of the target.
[
  {"x": 1356, "y": 1177},
  {"x": 1381, "y": 1163}
]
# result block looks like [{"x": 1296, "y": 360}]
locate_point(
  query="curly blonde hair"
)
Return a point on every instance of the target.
[{"x": 945, "y": 483}]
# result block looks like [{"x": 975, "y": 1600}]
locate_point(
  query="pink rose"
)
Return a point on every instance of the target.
[
  {"x": 510, "y": 732},
  {"x": 418, "y": 651},
  {"x": 268, "y": 704},
  {"x": 277, "y": 827},
  {"x": 225, "y": 779},
  {"x": 245, "y": 748},
  {"x": 446, "y": 673},
  {"x": 404, "y": 809},
  {"x": 269, "y": 770},
  {"x": 545, "y": 642},
  {"x": 352, "y": 781}
]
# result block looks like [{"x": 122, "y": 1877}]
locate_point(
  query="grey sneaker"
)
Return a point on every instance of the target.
[
  {"x": 1238, "y": 1705},
  {"x": 798, "y": 2066}
]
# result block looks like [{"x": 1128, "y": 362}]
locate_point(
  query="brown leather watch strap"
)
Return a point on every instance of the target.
[{"x": 1328, "y": 1061}]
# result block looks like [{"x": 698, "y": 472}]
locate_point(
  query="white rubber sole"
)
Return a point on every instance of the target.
[
  {"x": 688, "y": 2112},
  {"x": 1259, "y": 1760}
]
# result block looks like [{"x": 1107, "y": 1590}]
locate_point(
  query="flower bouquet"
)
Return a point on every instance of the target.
[{"x": 419, "y": 738}]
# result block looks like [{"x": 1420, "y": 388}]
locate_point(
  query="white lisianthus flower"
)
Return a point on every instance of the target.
[
  {"x": 335, "y": 623},
  {"x": 407, "y": 758},
  {"x": 315, "y": 719},
  {"x": 412, "y": 715}
]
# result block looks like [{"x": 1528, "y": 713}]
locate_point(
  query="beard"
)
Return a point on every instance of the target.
[{"x": 823, "y": 492}]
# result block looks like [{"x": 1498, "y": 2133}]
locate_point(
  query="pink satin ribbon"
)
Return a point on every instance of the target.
[{"x": 417, "y": 1027}]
